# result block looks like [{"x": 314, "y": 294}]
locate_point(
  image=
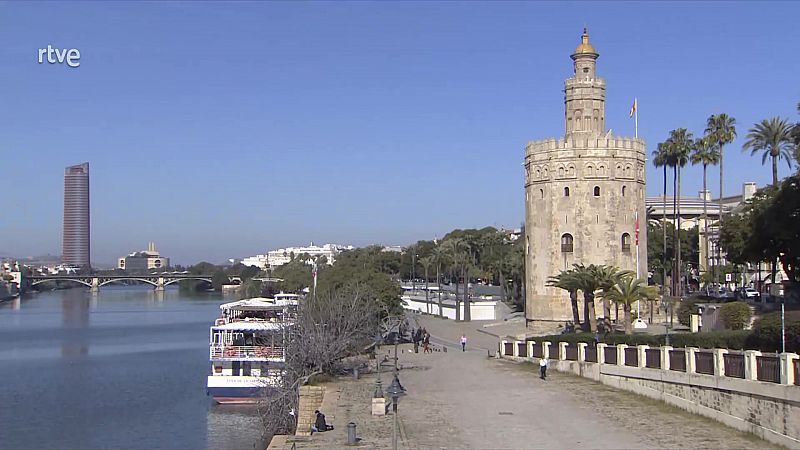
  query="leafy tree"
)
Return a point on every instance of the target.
[
  {"x": 735, "y": 315},
  {"x": 296, "y": 275},
  {"x": 625, "y": 290},
  {"x": 773, "y": 138},
  {"x": 218, "y": 279}
]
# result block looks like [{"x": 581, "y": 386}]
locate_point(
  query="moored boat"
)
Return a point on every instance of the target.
[{"x": 247, "y": 348}]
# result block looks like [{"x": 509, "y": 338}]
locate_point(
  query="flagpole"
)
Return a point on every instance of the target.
[
  {"x": 636, "y": 118},
  {"x": 638, "y": 302}
]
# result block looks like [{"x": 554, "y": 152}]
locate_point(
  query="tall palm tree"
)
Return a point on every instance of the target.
[
  {"x": 661, "y": 159},
  {"x": 568, "y": 281},
  {"x": 589, "y": 278},
  {"x": 772, "y": 137},
  {"x": 455, "y": 247},
  {"x": 439, "y": 253},
  {"x": 723, "y": 129},
  {"x": 705, "y": 153},
  {"x": 627, "y": 290},
  {"x": 680, "y": 148},
  {"x": 427, "y": 262}
]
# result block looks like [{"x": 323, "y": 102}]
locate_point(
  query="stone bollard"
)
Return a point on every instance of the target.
[
  {"x": 546, "y": 350},
  {"x": 601, "y": 353},
  {"x": 621, "y": 354},
  {"x": 787, "y": 367},
  {"x": 355, "y": 373},
  {"x": 751, "y": 364},
  {"x": 690, "y": 359},
  {"x": 562, "y": 350},
  {"x": 351, "y": 434},
  {"x": 665, "y": 349},
  {"x": 719, "y": 362},
  {"x": 581, "y": 351},
  {"x": 379, "y": 406}
]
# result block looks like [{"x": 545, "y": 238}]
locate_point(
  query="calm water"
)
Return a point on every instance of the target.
[{"x": 122, "y": 368}]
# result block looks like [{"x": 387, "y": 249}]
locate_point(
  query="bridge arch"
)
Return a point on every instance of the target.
[
  {"x": 76, "y": 280},
  {"x": 176, "y": 280},
  {"x": 115, "y": 280}
]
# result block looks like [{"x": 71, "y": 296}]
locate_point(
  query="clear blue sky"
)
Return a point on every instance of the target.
[{"x": 222, "y": 130}]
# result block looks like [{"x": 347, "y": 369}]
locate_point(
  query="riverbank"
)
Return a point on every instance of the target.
[{"x": 461, "y": 399}]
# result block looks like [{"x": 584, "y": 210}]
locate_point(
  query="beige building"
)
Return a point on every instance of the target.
[
  {"x": 583, "y": 194},
  {"x": 144, "y": 261}
]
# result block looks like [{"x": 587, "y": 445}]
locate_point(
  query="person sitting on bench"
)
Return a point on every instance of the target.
[{"x": 319, "y": 424}]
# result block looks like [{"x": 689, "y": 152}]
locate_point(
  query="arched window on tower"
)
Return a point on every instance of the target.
[
  {"x": 597, "y": 191},
  {"x": 577, "y": 121},
  {"x": 623, "y": 190},
  {"x": 566, "y": 243},
  {"x": 626, "y": 243},
  {"x": 541, "y": 192},
  {"x": 566, "y": 192}
]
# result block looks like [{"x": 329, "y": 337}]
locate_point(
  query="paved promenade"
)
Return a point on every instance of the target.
[{"x": 464, "y": 400}]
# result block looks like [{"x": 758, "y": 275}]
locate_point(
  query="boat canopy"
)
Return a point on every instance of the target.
[
  {"x": 248, "y": 326},
  {"x": 251, "y": 304}
]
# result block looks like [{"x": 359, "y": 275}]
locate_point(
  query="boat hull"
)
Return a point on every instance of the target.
[{"x": 238, "y": 389}]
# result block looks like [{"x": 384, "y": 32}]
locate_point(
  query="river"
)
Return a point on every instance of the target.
[{"x": 122, "y": 368}]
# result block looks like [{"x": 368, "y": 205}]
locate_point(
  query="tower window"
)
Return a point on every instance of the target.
[
  {"x": 541, "y": 192},
  {"x": 566, "y": 192},
  {"x": 623, "y": 190},
  {"x": 626, "y": 243},
  {"x": 597, "y": 191},
  {"x": 566, "y": 243},
  {"x": 585, "y": 70}
]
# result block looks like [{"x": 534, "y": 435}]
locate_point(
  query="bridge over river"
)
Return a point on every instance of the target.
[{"x": 95, "y": 282}]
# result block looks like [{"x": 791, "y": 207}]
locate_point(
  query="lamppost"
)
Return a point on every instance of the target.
[
  {"x": 395, "y": 394},
  {"x": 413, "y": 274}
]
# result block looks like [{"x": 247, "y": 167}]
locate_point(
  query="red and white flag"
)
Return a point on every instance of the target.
[{"x": 637, "y": 228}]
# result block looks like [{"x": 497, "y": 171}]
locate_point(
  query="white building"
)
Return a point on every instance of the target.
[
  {"x": 144, "y": 260},
  {"x": 282, "y": 256}
]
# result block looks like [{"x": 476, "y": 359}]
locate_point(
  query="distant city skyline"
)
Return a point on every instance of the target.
[{"x": 222, "y": 131}]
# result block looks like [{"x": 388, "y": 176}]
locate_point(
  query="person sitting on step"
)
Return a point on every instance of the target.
[{"x": 319, "y": 424}]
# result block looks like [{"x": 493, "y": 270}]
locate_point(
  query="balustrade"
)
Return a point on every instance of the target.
[
  {"x": 652, "y": 358},
  {"x": 734, "y": 364},
  {"x": 704, "y": 362},
  {"x": 610, "y": 355},
  {"x": 591, "y": 354},
  {"x": 632, "y": 356},
  {"x": 522, "y": 348},
  {"x": 508, "y": 349},
  {"x": 537, "y": 350},
  {"x": 246, "y": 352},
  {"x": 571, "y": 353},
  {"x": 768, "y": 368},
  {"x": 677, "y": 360}
]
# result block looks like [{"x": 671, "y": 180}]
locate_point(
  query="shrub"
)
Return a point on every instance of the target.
[
  {"x": 767, "y": 331},
  {"x": 735, "y": 315},
  {"x": 686, "y": 309}
]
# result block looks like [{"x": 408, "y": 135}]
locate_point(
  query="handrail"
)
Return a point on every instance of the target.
[{"x": 246, "y": 352}]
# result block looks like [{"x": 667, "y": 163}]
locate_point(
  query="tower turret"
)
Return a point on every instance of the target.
[{"x": 585, "y": 93}]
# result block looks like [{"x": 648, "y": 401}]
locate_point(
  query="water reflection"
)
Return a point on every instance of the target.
[
  {"x": 235, "y": 426},
  {"x": 75, "y": 305}
]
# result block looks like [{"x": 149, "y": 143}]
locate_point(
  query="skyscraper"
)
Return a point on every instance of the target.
[{"x": 76, "y": 215}]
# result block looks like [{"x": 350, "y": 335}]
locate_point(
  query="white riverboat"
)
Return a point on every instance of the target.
[{"x": 247, "y": 348}]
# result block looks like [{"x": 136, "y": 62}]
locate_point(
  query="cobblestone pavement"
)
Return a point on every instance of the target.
[{"x": 465, "y": 400}]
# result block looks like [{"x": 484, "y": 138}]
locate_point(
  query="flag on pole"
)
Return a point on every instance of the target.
[
  {"x": 637, "y": 228},
  {"x": 634, "y": 107}
]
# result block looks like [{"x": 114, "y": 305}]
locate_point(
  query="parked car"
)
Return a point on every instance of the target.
[{"x": 749, "y": 293}]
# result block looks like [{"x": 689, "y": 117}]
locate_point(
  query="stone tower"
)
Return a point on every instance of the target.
[{"x": 582, "y": 195}]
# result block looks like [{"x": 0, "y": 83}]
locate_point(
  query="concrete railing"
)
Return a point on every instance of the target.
[
  {"x": 750, "y": 364},
  {"x": 742, "y": 389}
]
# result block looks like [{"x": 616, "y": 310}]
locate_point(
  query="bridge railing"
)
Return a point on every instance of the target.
[
  {"x": 247, "y": 352},
  {"x": 752, "y": 365}
]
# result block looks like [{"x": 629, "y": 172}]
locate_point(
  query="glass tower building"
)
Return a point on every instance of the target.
[{"x": 76, "y": 216}]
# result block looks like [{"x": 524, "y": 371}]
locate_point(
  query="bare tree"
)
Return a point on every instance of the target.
[{"x": 323, "y": 339}]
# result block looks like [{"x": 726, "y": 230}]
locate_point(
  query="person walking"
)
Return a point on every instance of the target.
[
  {"x": 463, "y": 342},
  {"x": 426, "y": 344},
  {"x": 543, "y": 368}
]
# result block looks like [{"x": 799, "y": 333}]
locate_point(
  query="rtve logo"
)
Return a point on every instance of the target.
[{"x": 71, "y": 57}]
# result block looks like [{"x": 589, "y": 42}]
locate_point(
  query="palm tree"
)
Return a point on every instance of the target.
[
  {"x": 705, "y": 153},
  {"x": 455, "y": 247},
  {"x": 773, "y": 138},
  {"x": 604, "y": 276},
  {"x": 589, "y": 279},
  {"x": 681, "y": 144},
  {"x": 427, "y": 262},
  {"x": 439, "y": 253},
  {"x": 568, "y": 281},
  {"x": 627, "y": 290},
  {"x": 661, "y": 159},
  {"x": 723, "y": 129}
]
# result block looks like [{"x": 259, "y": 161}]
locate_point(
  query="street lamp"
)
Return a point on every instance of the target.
[{"x": 395, "y": 392}]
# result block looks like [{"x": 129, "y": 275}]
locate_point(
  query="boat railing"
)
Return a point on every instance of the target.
[{"x": 253, "y": 352}]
